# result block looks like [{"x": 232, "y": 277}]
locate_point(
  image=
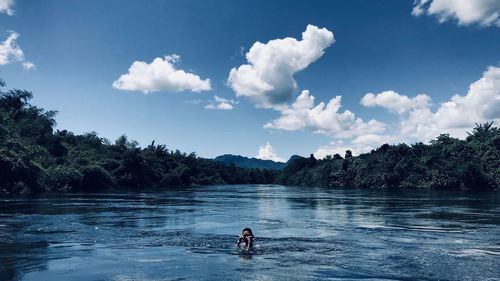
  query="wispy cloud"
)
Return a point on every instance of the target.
[
  {"x": 28, "y": 65},
  {"x": 197, "y": 101},
  {"x": 10, "y": 52},
  {"x": 219, "y": 103},
  {"x": 6, "y": 7}
]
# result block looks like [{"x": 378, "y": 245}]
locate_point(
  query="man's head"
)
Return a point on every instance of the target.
[{"x": 247, "y": 232}]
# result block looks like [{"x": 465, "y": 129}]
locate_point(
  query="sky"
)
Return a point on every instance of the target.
[{"x": 266, "y": 79}]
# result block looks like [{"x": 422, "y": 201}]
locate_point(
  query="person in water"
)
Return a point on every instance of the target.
[{"x": 246, "y": 237}]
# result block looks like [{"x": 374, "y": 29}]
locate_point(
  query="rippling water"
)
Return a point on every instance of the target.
[{"x": 301, "y": 234}]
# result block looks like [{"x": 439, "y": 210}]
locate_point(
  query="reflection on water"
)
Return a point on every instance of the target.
[{"x": 301, "y": 234}]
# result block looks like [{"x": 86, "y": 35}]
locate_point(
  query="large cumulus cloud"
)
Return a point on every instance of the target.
[
  {"x": 323, "y": 118},
  {"x": 267, "y": 79}
]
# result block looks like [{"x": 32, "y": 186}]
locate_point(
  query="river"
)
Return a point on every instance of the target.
[{"x": 301, "y": 234}]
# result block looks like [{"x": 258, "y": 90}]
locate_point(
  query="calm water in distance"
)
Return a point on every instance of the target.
[{"x": 301, "y": 234}]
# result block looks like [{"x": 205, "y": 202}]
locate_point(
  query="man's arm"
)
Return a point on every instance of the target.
[
  {"x": 239, "y": 241},
  {"x": 250, "y": 243}
]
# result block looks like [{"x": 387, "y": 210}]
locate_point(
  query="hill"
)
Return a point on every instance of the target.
[{"x": 245, "y": 162}]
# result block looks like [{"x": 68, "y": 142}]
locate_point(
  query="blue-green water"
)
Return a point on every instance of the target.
[{"x": 301, "y": 234}]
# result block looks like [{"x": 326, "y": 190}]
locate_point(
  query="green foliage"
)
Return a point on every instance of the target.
[
  {"x": 34, "y": 158},
  {"x": 446, "y": 163},
  {"x": 95, "y": 177}
]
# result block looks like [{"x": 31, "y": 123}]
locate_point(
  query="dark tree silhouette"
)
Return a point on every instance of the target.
[{"x": 34, "y": 158}]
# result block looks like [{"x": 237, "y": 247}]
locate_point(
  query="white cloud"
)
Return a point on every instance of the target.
[
  {"x": 323, "y": 118},
  {"x": 459, "y": 114},
  {"x": 267, "y": 79},
  {"x": 159, "y": 75},
  {"x": 197, "y": 101},
  {"x": 28, "y": 65},
  {"x": 10, "y": 52},
  {"x": 395, "y": 102},
  {"x": 418, "y": 122},
  {"x": 358, "y": 145},
  {"x": 335, "y": 147},
  {"x": 366, "y": 143},
  {"x": 266, "y": 152},
  {"x": 6, "y": 7},
  {"x": 455, "y": 117},
  {"x": 466, "y": 12},
  {"x": 221, "y": 104}
]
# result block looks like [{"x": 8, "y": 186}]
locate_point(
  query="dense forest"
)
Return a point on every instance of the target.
[
  {"x": 34, "y": 157},
  {"x": 446, "y": 163}
]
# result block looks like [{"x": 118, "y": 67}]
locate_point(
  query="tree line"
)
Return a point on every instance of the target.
[
  {"x": 34, "y": 157},
  {"x": 446, "y": 163}
]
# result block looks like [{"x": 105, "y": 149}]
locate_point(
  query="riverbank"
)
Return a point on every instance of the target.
[{"x": 35, "y": 157}]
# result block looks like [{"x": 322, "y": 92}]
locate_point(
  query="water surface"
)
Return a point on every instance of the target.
[{"x": 302, "y": 234}]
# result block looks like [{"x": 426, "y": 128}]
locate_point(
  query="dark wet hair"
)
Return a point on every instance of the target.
[{"x": 247, "y": 229}]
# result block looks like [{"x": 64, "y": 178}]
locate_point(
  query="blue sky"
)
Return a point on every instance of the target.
[{"x": 396, "y": 65}]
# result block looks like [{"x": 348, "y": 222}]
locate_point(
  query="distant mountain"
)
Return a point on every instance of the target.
[
  {"x": 245, "y": 162},
  {"x": 293, "y": 158}
]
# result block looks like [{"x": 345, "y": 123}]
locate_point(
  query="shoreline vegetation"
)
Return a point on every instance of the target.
[{"x": 34, "y": 157}]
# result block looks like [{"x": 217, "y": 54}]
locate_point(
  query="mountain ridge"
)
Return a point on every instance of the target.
[{"x": 247, "y": 162}]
